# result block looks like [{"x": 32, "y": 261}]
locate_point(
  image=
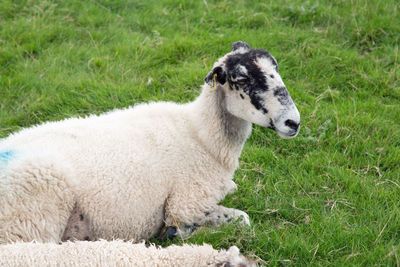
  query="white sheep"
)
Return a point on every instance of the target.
[
  {"x": 117, "y": 253},
  {"x": 128, "y": 172}
]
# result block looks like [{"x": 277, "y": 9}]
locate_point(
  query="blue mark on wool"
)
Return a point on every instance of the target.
[{"x": 6, "y": 156}]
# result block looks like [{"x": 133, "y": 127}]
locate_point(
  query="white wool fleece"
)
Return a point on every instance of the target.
[
  {"x": 117, "y": 253},
  {"x": 129, "y": 171}
]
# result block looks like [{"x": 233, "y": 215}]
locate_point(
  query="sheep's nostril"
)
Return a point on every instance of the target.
[{"x": 292, "y": 124}]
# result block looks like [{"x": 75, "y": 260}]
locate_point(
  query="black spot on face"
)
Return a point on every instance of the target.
[
  {"x": 264, "y": 110},
  {"x": 241, "y": 96},
  {"x": 271, "y": 76},
  {"x": 282, "y": 95},
  {"x": 271, "y": 125},
  {"x": 253, "y": 83},
  {"x": 226, "y": 215}
]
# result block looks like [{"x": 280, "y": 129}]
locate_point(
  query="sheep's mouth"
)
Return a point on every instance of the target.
[
  {"x": 283, "y": 135},
  {"x": 287, "y": 135}
]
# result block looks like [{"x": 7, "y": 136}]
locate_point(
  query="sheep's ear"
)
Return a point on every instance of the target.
[
  {"x": 220, "y": 78},
  {"x": 240, "y": 44}
]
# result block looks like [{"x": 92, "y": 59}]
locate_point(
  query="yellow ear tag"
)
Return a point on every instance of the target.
[{"x": 215, "y": 81}]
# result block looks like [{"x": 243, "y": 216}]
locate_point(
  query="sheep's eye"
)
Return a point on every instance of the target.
[{"x": 243, "y": 81}]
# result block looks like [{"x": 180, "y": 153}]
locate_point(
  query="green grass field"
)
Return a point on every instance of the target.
[{"x": 330, "y": 197}]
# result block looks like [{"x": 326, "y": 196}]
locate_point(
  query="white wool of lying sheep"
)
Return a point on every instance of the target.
[
  {"x": 131, "y": 171},
  {"x": 117, "y": 253}
]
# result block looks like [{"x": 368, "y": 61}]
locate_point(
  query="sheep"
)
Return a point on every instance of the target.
[
  {"x": 130, "y": 173},
  {"x": 117, "y": 253}
]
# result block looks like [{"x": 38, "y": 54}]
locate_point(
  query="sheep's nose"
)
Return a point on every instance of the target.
[{"x": 292, "y": 125}]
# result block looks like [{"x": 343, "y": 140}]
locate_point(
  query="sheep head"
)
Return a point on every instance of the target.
[{"x": 254, "y": 90}]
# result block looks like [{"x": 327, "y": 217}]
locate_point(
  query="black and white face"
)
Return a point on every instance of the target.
[{"x": 254, "y": 90}]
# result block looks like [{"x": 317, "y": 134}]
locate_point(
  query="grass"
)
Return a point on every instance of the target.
[{"x": 330, "y": 197}]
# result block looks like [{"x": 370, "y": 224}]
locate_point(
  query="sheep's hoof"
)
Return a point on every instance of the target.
[{"x": 170, "y": 233}]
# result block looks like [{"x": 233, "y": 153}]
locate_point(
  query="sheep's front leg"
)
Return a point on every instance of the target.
[
  {"x": 196, "y": 205},
  {"x": 221, "y": 215},
  {"x": 217, "y": 216}
]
